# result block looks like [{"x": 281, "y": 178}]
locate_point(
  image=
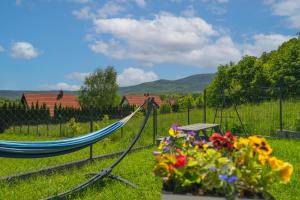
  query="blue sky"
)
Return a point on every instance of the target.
[{"x": 54, "y": 44}]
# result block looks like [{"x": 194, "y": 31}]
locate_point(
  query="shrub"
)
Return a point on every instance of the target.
[
  {"x": 175, "y": 107},
  {"x": 165, "y": 108},
  {"x": 73, "y": 126}
]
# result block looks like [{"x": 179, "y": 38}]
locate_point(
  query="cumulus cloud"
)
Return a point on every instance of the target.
[
  {"x": 78, "y": 76},
  {"x": 83, "y": 13},
  {"x": 264, "y": 43},
  {"x": 165, "y": 39},
  {"x": 1, "y": 49},
  {"x": 140, "y": 3},
  {"x": 287, "y": 8},
  {"x": 60, "y": 86},
  {"x": 23, "y": 50},
  {"x": 134, "y": 76},
  {"x": 109, "y": 9}
]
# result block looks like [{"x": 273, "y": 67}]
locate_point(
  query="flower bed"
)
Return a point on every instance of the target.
[{"x": 225, "y": 166}]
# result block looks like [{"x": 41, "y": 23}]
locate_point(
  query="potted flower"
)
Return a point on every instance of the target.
[{"x": 223, "y": 166}]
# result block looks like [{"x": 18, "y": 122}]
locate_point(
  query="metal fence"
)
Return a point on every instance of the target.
[{"x": 273, "y": 115}]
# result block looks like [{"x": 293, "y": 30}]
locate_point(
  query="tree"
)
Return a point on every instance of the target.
[{"x": 99, "y": 89}]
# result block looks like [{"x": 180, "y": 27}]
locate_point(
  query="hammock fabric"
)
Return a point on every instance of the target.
[{"x": 22, "y": 149}]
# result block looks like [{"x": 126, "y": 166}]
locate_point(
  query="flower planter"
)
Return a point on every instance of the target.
[{"x": 171, "y": 196}]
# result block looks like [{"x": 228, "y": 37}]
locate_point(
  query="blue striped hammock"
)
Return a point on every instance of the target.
[{"x": 22, "y": 149}]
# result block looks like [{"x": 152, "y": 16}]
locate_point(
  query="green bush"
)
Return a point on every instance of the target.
[
  {"x": 175, "y": 107},
  {"x": 165, "y": 108},
  {"x": 73, "y": 126}
]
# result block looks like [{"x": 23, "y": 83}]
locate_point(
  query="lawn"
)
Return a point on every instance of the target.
[
  {"x": 137, "y": 167},
  {"x": 260, "y": 119}
]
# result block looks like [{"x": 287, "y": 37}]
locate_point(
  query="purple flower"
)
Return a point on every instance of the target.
[
  {"x": 166, "y": 148},
  {"x": 223, "y": 177},
  {"x": 232, "y": 179},
  {"x": 229, "y": 180},
  {"x": 167, "y": 140},
  {"x": 176, "y": 127},
  {"x": 191, "y": 133}
]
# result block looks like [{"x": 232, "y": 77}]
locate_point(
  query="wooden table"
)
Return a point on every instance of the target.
[{"x": 200, "y": 127}]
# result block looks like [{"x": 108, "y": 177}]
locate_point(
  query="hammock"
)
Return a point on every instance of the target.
[{"x": 22, "y": 149}]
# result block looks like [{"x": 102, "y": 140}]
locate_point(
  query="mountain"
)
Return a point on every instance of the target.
[{"x": 190, "y": 84}]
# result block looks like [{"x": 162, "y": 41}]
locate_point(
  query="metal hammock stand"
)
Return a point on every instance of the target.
[
  {"x": 221, "y": 106},
  {"x": 107, "y": 172}
]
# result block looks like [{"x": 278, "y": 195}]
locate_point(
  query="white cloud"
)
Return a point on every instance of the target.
[
  {"x": 134, "y": 76},
  {"x": 287, "y": 8},
  {"x": 1, "y": 49},
  {"x": 23, "y": 50},
  {"x": 140, "y": 3},
  {"x": 264, "y": 43},
  {"x": 109, "y": 9},
  {"x": 189, "y": 11},
  {"x": 165, "y": 39},
  {"x": 60, "y": 86},
  {"x": 83, "y": 13},
  {"x": 78, "y": 76}
]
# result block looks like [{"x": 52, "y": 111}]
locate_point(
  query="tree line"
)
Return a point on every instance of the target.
[
  {"x": 18, "y": 114},
  {"x": 270, "y": 75}
]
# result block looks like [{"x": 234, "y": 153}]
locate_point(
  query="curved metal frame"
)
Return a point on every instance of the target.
[{"x": 107, "y": 171}]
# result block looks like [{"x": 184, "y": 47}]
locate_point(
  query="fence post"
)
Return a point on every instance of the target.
[
  {"x": 188, "y": 112},
  {"x": 280, "y": 111},
  {"x": 60, "y": 120},
  {"x": 91, "y": 130},
  {"x": 154, "y": 124},
  {"x": 204, "y": 106},
  {"x": 204, "y": 109}
]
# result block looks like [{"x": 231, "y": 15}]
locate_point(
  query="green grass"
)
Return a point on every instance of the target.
[
  {"x": 137, "y": 167},
  {"x": 260, "y": 119}
]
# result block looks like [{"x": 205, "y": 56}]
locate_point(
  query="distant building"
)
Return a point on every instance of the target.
[
  {"x": 50, "y": 100},
  {"x": 138, "y": 100}
]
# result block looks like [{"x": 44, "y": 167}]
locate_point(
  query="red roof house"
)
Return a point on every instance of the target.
[
  {"x": 138, "y": 100},
  {"x": 50, "y": 100}
]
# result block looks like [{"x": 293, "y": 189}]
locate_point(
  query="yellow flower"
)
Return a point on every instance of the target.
[
  {"x": 260, "y": 145},
  {"x": 262, "y": 159},
  {"x": 241, "y": 142},
  {"x": 174, "y": 133},
  {"x": 275, "y": 163},
  {"x": 286, "y": 172}
]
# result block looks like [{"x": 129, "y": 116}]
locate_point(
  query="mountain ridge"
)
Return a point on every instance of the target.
[{"x": 191, "y": 84}]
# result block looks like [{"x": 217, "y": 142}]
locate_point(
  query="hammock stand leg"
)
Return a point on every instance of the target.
[
  {"x": 107, "y": 171},
  {"x": 118, "y": 178}
]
